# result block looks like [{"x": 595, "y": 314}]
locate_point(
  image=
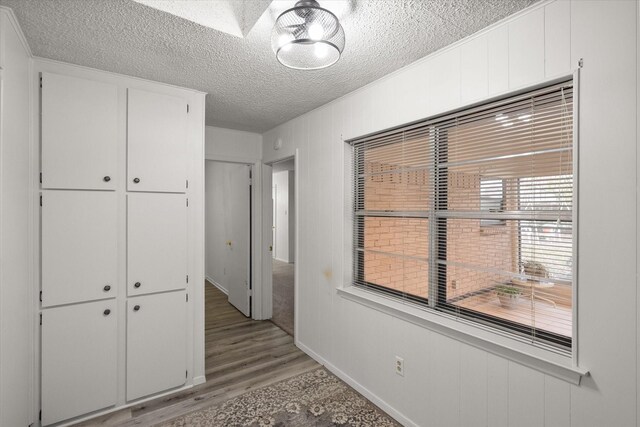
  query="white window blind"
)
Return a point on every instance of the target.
[{"x": 472, "y": 214}]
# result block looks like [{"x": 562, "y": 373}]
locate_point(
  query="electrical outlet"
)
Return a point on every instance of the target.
[{"x": 400, "y": 366}]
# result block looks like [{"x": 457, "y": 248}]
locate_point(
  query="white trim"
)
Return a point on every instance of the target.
[
  {"x": 217, "y": 285},
  {"x": 388, "y": 409},
  {"x": 16, "y": 26},
  {"x": 296, "y": 249},
  {"x": 546, "y": 361},
  {"x": 199, "y": 380},
  {"x": 116, "y": 75},
  {"x": 231, "y": 159}
]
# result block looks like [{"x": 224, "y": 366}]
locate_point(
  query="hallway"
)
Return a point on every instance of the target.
[{"x": 283, "y": 296}]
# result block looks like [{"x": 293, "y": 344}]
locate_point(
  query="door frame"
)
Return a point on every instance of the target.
[
  {"x": 258, "y": 306},
  {"x": 296, "y": 251}
]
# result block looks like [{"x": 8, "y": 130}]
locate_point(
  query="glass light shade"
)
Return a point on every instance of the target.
[{"x": 307, "y": 37}]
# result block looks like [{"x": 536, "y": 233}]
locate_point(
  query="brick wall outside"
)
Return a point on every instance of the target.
[
  {"x": 468, "y": 242},
  {"x": 492, "y": 247},
  {"x": 388, "y": 190}
]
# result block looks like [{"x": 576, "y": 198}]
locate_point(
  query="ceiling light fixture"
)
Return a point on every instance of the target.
[{"x": 307, "y": 37}]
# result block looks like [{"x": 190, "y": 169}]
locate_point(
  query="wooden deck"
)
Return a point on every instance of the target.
[{"x": 240, "y": 355}]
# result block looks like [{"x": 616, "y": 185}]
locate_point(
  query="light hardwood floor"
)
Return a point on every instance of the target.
[{"x": 240, "y": 355}]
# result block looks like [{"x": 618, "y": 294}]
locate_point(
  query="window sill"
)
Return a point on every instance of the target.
[{"x": 546, "y": 361}]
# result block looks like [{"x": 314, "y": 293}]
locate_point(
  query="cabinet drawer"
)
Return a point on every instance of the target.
[
  {"x": 156, "y": 343},
  {"x": 79, "y": 360},
  {"x": 157, "y": 142},
  {"x": 79, "y": 246},
  {"x": 156, "y": 243},
  {"x": 79, "y": 133}
]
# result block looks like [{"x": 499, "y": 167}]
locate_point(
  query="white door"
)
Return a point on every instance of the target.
[
  {"x": 156, "y": 343},
  {"x": 79, "y": 246},
  {"x": 79, "y": 133},
  {"x": 238, "y": 210},
  {"x": 156, "y": 242},
  {"x": 79, "y": 359},
  {"x": 267, "y": 239},
  {"x": 157, "y": 142}
]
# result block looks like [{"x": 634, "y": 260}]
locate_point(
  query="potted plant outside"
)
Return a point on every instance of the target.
[
  {"x": 535, "y": 269},
  {"x": 508, "y": 295}
]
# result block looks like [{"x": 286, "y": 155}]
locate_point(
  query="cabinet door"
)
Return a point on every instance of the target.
[
  {"x": 156, "y": 243},
  {"x": 79, "y": 246},
  {"x": 79, "y": 360},
  {"x": 156, "y": 343},
  {"x": 157, "y": 136},
  {"x": 79, "y": 133}
]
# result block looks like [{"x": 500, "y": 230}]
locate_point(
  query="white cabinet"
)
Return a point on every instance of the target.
[
  {"x": 79, "y": 360},
  {"x": 156, "y": 343},
  {"x": 79, "y": 246},
  {"x": 157, "y": 142},
  {"x": 156, "y": 243},
  {"x": 79, "y": 133}
]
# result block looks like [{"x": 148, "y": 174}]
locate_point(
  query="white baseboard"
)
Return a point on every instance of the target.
[
  {"x": 199, "y": 380},
  {"x": 217, "y": 285},
  {"x": 393, "y": 413},
  {"x": 282, "y": 260}
]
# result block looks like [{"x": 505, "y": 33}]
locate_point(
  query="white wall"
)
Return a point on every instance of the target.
[
  {"x": 283, "y": 181},
  {"x": 226, "y": 219},
  {"x": 448, "y": 382},
  {"x": 232, "y": 145},
  {"x": 16, "y": 205}
]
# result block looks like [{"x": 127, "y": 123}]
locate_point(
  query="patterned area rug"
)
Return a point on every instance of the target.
[{"x": 316, "y": 398}]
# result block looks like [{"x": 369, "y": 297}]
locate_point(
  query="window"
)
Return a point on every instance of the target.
[
  {"x": 471, "y": 214},
  {"x": 491, "y": 199}
]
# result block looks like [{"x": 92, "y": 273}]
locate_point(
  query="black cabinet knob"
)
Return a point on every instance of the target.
[
  {"x": 107, "y": 312},
  {"x": 136, "y": 308},
  {"x": 136, "y": 285},
  {"x": 107, "y": 178},
  {"x": 107, "y": 288},
  {"x": 136, "y": 180}
]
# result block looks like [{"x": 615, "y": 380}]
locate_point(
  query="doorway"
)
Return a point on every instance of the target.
[
  {"x": 283, "y": 253},
  {"x": 228, "y": 231}
]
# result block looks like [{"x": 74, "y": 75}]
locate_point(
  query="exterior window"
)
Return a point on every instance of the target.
[
  {"x": 472, "y": 214},
  {"x": 491, "y": 199}
]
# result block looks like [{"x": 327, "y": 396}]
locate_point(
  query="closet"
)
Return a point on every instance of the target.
[{"x": 115, "y": 167}]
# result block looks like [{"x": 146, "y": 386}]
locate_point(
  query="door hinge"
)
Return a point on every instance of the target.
[
  {"x": 186, "y": 374},
  {"x": 40, "y": 319},
  {"x": 40, "y": 413},
  {"x": 187, "y": 184},
  {"x": 187, "y": 202},
  {"x": 41, "y": 82},
  {"x": 41, "y": 200},
  {"x": 187, "y": 278},
  {"x": 187, "y": 298},
  {"x": 40, "y": 296},
  {"x": 40, "y": 177},
  {"x": 187, "y": 108}
]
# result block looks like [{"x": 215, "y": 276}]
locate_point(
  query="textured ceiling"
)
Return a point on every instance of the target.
[{"x": 248, "y": 89}]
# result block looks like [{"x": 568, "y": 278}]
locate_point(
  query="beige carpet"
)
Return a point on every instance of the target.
[
  {"x": 315, "y": 398},
  {"x": 283, "y": 296}
]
